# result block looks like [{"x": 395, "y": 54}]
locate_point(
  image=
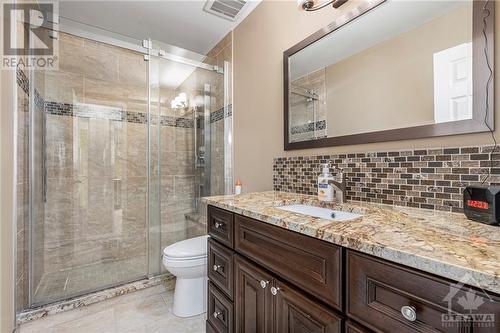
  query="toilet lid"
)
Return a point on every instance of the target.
[{"x": 188, "y": 249}]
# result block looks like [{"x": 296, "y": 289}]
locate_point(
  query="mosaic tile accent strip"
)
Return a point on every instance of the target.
[
  {"x": 135, "y": 117},
  {"x": 23, "y": 83},
  {"x": 22, "y": 80},
  {"x": 310, "y": 127},
  {"x": 59, "y": 109},
  {"x": 97, "y": 111},
  {"x": 112, "y": 113},
  {"x": 222, "y": 113},
  {"x": 423, "y": 178}
]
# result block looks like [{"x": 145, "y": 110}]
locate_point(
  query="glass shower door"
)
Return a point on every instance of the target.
[
  {"x": 182, "y": 91},
  {"x": 88, "y": 181}
]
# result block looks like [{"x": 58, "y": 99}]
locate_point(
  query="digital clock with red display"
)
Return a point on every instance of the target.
[
  {"x": 482, "y": 204},
  {"x": 477, "y": 204}
]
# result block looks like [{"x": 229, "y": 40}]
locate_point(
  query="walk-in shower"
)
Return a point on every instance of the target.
[{"x": 116, "y": 147}]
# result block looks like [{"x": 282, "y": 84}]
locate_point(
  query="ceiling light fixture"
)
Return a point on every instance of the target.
[
  {"x": 179, "y": 102},
  {"x": 311, "y": 5}
]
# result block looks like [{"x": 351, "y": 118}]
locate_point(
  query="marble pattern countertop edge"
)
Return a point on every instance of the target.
[{"x": 441, "y": 243}]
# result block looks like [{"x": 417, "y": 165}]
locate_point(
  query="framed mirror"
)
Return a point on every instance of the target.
[{"x": 392, "y": 70}]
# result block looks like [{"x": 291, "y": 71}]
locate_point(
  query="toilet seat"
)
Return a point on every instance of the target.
[
  {"x": 189, "y": 249},
  {"x": 179, "y": 263}
]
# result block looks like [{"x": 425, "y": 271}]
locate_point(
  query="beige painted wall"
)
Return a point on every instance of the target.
[
  {"x": 259, "y": 42},
  {"x": 395, "y": 73}
]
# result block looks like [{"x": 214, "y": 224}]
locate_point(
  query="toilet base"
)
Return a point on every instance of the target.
[{"x": 190, "y": 297}]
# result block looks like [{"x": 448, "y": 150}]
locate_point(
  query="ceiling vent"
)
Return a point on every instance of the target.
[{"x": 227, "y": 9}]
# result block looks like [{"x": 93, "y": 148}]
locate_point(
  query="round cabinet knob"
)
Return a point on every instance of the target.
[
  {"x": 274, "y": 290},
  {"x": 264, "y": 284},
  {"x": 217, "y": 225},
  {"x": 216, "y": 267},
  {"x": 409, "y": 313},
  {"x": 217, "y": 314}
]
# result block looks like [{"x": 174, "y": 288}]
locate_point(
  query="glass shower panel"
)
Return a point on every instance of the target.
[
  {"x": 92, "y": 117},
  {"x": 154, "y": 137},
  {"x": 181, "y": 93}
]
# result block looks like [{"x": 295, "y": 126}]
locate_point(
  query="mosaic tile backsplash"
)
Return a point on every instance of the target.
[{"x": 423, "y": 178}]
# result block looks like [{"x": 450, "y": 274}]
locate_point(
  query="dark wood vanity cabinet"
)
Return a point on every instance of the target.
[
  {"x": 220, "y": 310},
  {"x": 253, "y": 299},
  {"x": 265, "y": 279},
  {"x": 220, "y": 226},
  {"x": 390, "y": 298},
  {"x": 265, "y": 304},
  {"x": 220, "y": 267},
  {"x": 297, "y": 312},
  {"x": 311, "y": 264},
  {"x": 351, "y": 327}
]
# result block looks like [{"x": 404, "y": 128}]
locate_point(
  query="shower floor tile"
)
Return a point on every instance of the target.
[
  {"x": 144, "y": 311},
  {"x": 55, "y": 286}
]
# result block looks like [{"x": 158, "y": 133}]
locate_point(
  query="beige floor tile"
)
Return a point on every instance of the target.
[{"x": 144, "y": 311}]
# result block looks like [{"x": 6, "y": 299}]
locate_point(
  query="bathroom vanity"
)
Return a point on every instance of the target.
[{"x": 390, "y": 270}]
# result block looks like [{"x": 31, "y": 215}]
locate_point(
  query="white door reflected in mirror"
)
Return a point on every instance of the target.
[{"x": 453, "y": 84}]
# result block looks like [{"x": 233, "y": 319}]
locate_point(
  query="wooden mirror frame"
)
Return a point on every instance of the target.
[{"x": 482, "y": 90}]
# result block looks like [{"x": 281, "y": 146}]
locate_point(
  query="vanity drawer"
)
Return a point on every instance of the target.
[
  {"x": 221, "y": 225},
  {"x": 379, "y": 291},
  {"x": 219, "y": 311},
  {"x": 351, "y": 327},
  {"x": 220, "y": 267},
  {"x": 311, "y": 264}
]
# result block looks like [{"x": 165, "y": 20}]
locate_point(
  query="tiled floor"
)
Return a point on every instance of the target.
[
  {"x": 58, "y": 285},
  {"x": 144, "y": 311}
]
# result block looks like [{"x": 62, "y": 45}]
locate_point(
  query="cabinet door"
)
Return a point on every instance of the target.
[
  {"x": 298, "y": 313},
  {"x": 253, "y": 299}
]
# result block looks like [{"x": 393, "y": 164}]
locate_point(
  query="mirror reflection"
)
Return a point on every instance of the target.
[{"x": 403, "y": 64}]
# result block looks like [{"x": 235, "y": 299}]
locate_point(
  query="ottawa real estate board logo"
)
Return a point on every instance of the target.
[
  {"x": 29, "y": 33},
  {"x": 472, "y": 305}
]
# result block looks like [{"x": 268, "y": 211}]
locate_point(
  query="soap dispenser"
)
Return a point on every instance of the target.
[{"x": 325, "y": 189}]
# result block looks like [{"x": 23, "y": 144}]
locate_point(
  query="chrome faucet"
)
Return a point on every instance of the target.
[{"x": 340, "y": 186}]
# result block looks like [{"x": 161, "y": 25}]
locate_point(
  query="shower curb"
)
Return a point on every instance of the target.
[{"x": 99, "y": 296}]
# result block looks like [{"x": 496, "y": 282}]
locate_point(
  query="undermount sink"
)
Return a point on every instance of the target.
[{"x": 323, "y": 213}]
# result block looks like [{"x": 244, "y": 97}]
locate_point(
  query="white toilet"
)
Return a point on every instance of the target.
[{"x": 187, "y": 260}]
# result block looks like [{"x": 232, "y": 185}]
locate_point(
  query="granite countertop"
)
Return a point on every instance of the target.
[{"x": 445, "y": 244}]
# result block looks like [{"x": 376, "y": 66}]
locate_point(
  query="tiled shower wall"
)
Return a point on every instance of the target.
[
  {"x": 220, "y": 109},
  {"x": 423, "y": 178},
  {"x": 221, "y": 174}
]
